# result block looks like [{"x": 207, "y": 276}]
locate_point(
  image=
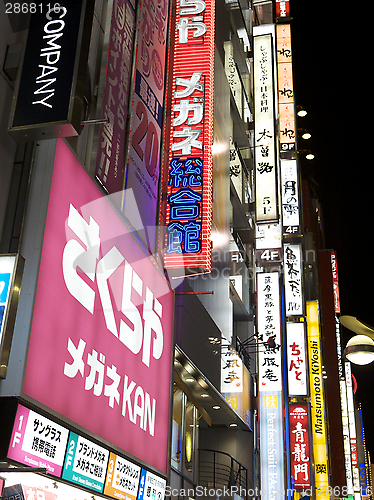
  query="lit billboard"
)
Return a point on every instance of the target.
[
  {"x": 189, "y": 177},
  {"x": 269, "y": 328},
  {"x": 102, "y": 324},
  {"x": 265, "y": 157},
  {"x": 49, "y": 97},
  {"x": 37, "y": 441},
  {"x": 286, "y": 105},
  {"x": 271, "y": 445},
  {"x": 299, "y": 444},
  {"x": 293, "y": 272},
  {"x": 296, "y": 360},
  {"x": 321, "y": 473},
  {"x": 290, "y": 197}
]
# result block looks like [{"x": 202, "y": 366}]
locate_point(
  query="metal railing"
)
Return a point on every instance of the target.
[{"x": 218, "y": 469}]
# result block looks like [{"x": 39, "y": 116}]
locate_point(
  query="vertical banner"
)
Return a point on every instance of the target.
[
  {"x": 265, "y": 159},
  {"x": 320, "y": 444},
  {"x": 299, "y": 442},
  {"x": 292, "y": 280},
  {"x": 346, "y": 437},
  {"x": 189, "y": 194},
  {"x": 296, "y": 360},
  {"x": 112, "y": 135},
  {"x": 269, "y": 327},
  {"x": 290, "y": 197},
  {"x": 143, "y": 167},
  {"x": 352, "y": 431},
  {"x": 285, "y": 89},
  {"x": 335, "y": 282},
  {"x": 271, "y": 445}
]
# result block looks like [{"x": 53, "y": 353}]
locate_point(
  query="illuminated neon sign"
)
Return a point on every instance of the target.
[{"x": 189, "y": 190}]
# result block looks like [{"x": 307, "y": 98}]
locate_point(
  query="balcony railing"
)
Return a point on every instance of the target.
[{"x": 218, "y": 469}]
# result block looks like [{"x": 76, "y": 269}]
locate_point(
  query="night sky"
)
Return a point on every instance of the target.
[{"x": 332, "y": 55}]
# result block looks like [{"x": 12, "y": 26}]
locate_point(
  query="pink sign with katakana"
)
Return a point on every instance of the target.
[{"x": 101, "y": 339}]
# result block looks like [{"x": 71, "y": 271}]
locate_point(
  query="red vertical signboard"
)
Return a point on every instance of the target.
[
  {"x": 299, "y": 441},
  {"x": 189, "y": 195}
]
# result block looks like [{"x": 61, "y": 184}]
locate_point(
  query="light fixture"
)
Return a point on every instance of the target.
[
  {"x": 216, "y": 407},
  {"x": 204, "y": 395},
  {"x": 302, "y": 113},
  {"x": 360, "y": 350},
  {"x": 309, "y": 156},
  {"x": 233, "y": 425},
  {"x": 306, "y": 135},
  {"x": 190, "y": 379}
]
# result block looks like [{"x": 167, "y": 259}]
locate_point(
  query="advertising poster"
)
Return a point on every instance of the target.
[
  {"x": 110, "y": 157},
  {"x": 85, "y": 463},
  {"x": 143, "y": 168},
  {"x": 36, "y": 441},
  {"x": 102, "y": 333}
]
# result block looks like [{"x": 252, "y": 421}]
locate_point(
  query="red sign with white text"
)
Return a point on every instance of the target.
[
  {"x": 189, "y": 195},
  {"x": 299, "y": 443},
  {"x": 335, "y": 284},
  {"x": 101, "y": 338},
  {"x": 282, "y": 8}
]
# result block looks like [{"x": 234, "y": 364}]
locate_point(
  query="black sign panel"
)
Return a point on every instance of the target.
[{"x": 48, "y": 102}]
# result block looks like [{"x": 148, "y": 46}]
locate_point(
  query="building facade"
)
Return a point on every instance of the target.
[{"x": 169, "y": 311}]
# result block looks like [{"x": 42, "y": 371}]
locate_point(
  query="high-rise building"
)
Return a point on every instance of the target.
[{"x": 169, "y": 312}]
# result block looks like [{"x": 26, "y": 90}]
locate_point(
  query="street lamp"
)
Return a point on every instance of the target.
[{"x": 359, "y": 349}]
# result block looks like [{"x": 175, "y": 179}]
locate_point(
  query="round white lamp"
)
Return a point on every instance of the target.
[{"x": 360, "y": 350}]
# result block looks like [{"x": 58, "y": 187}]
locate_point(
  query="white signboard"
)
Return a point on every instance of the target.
[
  {"x": 265, "y": 159},
  {"x": 268, "y": 325},
  {"x": 231, "y": 369},
  {"x": 296, "y": 360},
  {"x": 268, "y": 236},
  {"x": 290, "y": 197},
  {"x": 293, "y": 280}
]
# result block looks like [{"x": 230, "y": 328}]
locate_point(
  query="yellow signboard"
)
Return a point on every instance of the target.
[{"x": 317, "y": 402}]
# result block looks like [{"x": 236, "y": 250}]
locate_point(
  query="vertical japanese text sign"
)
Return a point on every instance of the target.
[
  {"x": 269, "y": 326},
  {"x": 299, "y": 441},
  {"x": 290, "y": 197},
  {"x": 111, "y": 145},
  {"x": 285, "y": 88},
  {"x": 265, "y": 159},
  {"x": 189, "y": 195},
  {"x": 296, "y": 360},
  {"x": 293, "y": 280},
  {"x": 317, "y": 400}
]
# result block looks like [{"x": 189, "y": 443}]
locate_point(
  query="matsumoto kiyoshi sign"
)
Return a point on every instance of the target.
[
  {"x": 48, "y": 101},
  {"x": 102, "y": 325}
]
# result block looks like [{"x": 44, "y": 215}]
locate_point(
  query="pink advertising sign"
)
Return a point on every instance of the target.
[
  {"x": 101, "y": 338},
  {"x": 37, "y": 441}
]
